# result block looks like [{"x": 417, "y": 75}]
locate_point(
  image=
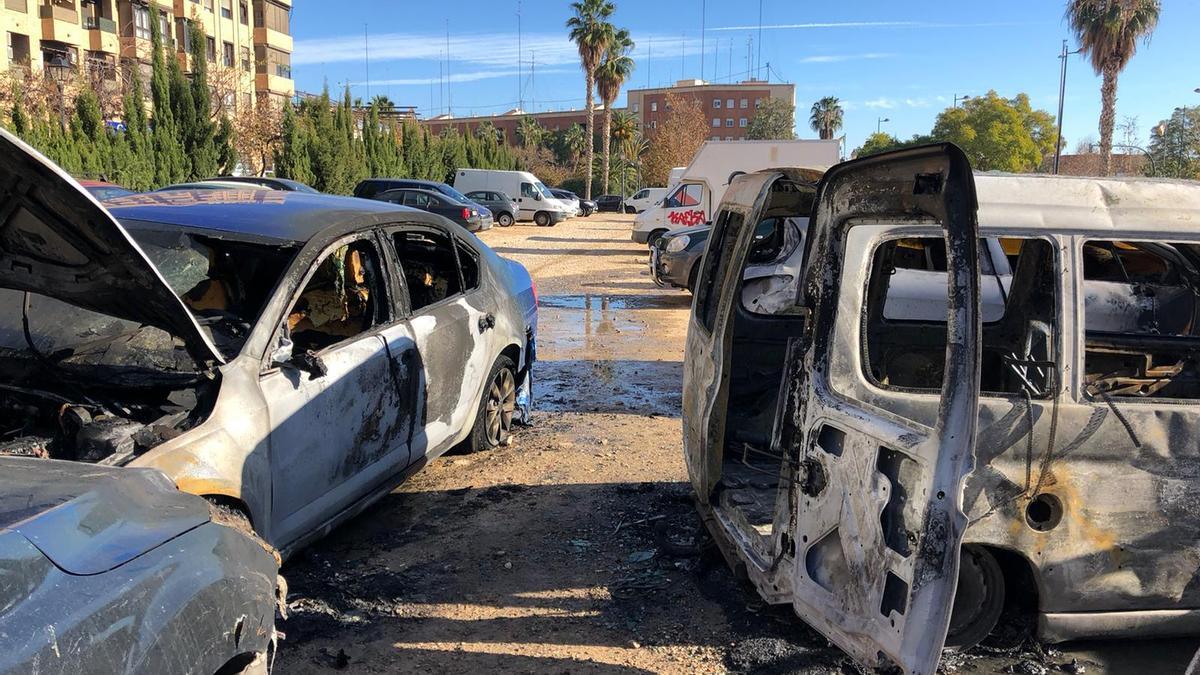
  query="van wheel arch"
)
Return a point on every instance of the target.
[{"x": 541, "y": 218}]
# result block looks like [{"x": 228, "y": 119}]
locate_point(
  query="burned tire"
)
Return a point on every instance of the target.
[
  {"x": 979, "y": 600},
  {"x": 494, "y": 419},
  {"x": 541, "y": 218},
  {"x": 504, "y": 220}
]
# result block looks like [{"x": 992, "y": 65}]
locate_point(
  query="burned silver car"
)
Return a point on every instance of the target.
[
  {"x": 114, "y": 570},
  {"x": 292, "y": 356},
  {"x": 980, "y": 396}
]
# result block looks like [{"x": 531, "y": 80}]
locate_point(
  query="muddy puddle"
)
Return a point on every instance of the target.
[{"x": 604, "y": 303}]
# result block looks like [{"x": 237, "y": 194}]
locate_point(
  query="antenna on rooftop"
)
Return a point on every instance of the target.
[
  {"x": 367, "y": 59},
  {"x": 758, "y": 61},
  {"x": 520, "y": 80},
  {"x": 449, "y": 98},
  {"x": 702, "y": 8}
]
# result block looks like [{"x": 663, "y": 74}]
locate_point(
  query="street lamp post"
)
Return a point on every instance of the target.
[
  {"x": 1062, "y": 93},
  {"x": 60, "y": 72},
  {"x": 879, "y": 124},
  {"x": 958, "y": 98}
]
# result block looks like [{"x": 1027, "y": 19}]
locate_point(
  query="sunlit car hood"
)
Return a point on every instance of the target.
[{"x": 57, "y": 240}]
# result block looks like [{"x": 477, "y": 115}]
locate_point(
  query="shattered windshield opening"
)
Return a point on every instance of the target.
[{"x": 223, "y": 280}]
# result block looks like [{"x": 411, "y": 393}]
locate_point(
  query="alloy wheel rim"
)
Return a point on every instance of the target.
[{"x": 501, "y": 406}]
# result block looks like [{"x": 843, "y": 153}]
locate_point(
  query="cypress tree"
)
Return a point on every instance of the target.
[
  {"x": 223, "y": 142},
  {"x": 199, "y": 132},
  {"x": 171, "y": 164}
]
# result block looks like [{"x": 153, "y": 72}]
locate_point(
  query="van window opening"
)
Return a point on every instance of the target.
[{"x": 904, "y": 341}]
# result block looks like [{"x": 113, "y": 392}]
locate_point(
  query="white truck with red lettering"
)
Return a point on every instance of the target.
[{"x": 693, "y": 199}]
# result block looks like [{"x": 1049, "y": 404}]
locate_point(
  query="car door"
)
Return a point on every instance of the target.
[
  {"x": 339, "y": 426},
  {"x": 878, "y": 523},
  {"x": 451, "y": 324},
  {"x": 529, "y": 200}
]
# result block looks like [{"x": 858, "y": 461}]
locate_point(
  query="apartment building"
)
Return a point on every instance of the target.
[
  {"x": 730, "y": 107},
  {"x": 248, "y": 42}
]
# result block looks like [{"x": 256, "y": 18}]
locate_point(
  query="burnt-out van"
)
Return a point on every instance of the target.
[{"x": 978, "y": 395}]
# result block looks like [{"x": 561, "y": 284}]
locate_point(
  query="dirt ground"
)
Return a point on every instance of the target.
[{"x": 574, "y": 549}]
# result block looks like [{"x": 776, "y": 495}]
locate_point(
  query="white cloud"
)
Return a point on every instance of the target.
[
  {"x": 496, "y": 50},
  {"x": 838, "y": 58},
  {"x": 916, "y": 102},
  {"x": 473, "y": 76},
  {"x": 882, "y": 103},
  {"x": 866, "y": 24}
]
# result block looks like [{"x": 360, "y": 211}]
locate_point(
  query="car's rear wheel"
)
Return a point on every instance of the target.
[
  {"x": 494, "y": 421},
  {"x": 630, "y": 209},
  {"x": 652, "y": 240},
  {"x": 979, "y": 600},
  {"x": 504, "y": 219},
  {"x": 541, "y": 218}
]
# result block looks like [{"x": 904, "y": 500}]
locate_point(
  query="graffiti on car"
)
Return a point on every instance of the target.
[{"x": 692, "y": 217}]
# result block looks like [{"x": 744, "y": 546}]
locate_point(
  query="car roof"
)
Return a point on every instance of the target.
[
  {"x": 414, "y": 181},
  {"x": 1073, "y": 203},
  {"x": 286, "y": 217}
]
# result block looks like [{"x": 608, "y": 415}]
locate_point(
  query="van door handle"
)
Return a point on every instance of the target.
[{"x": 487, "y": 322}]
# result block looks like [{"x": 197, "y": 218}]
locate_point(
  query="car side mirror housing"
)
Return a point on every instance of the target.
[
  {"x": 284, "y": 356},
  {"x": 537, "y": 198}
]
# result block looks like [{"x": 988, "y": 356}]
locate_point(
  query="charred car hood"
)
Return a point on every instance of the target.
[
  {"x": 89, "y": 519},
  {"x": 57, "y": 240}
]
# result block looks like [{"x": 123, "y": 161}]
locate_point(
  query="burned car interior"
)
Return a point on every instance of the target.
[{"x": 344, "y": 297}]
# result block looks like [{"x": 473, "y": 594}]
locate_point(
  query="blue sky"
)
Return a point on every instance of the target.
[{"x": 901, "y": 61}]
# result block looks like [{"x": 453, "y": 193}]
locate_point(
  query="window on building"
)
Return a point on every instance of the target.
[
  {"x": 164, "y": 27},
  {"x": 18, "y": 48},
  {"x": 653, "y": 124},
  {"x": 15, "y": 5},
  {"x": 244, "y": 13},
  {"x": 226, "y": 9},
  {"x": 729, "y": 103},
  {"x": 208, "y": 4},
  {"x": 227, "y": 55},
  {"x": 757, "y": 103},
  {"x": 729, "y": 138},
  {"x": 272, "y": 16},
  {"x": 716, "y": 122},
  {"x": 141, "y": 22},
  {"x": 743, "y": 104},
  {"x": 635, "y": 108},
  {"x": 183, "y": 30},
  {"x": 715, "y": 138},
  {"x": 247, "y": 60},
  {"x": 273, "y": 61},
  {"x": 729, "y": 122},
  {"x": 654, "y": 106},
  {"x": 716, "y": 104},
  {"x": 742, "y": 122},
  {"x": 211, "y": 49}
]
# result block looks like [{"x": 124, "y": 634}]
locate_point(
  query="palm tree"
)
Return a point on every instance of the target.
[
  {"x": 624, "y": 125},
  {"x": 591, "y": 32},
  {"x": 575, "y": 143},
  {"x": 1108, "y": 32},
  {"x": 612, "y": 72},
  {"x": 487, "y": 131},
  {"x": 530, "y": 132},
  {"x": 826, "y": 118}
]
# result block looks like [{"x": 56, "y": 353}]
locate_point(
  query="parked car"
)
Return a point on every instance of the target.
[
  {"x": 675, "y": 258},
  {"x": 583, "y": 207},
  {"x": 370, "y": 187},
  {"x": 609, "y": 203},
  {"x": 534, "y": 200},
  {"x": 468, "y": 216},
  {"x": 294, "y": 355},
  {"x": 102, "y": 190},
  {"x": 643, "y": 199},
  {"x": 114, "y": 570},
  {"x": 268, "y": 182},
  {"x": 503, "y": 207},
  {"x": 966, "y": 387}
]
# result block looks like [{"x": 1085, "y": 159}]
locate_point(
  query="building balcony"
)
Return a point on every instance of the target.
[
  {"x": 275, "y": 84},
  {"x": 60, "y": 24},
  {"x": 273, "y": 38},
  {"x": 102, "y": 35}
]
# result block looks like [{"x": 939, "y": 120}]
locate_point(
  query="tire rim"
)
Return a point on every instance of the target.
[{"x": 501, "y": 404}]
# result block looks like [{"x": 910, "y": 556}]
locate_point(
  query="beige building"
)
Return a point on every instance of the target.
[{"x": 248, "y": 42}]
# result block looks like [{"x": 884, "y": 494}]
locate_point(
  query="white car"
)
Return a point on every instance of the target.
[{"x": 644, "y": 199}]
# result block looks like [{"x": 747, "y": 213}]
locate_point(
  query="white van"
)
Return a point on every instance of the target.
[
  {"x": 534, "y": 201},
  {"x": 644, "y": 199},
  {"x": 703, "y": 184}
]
